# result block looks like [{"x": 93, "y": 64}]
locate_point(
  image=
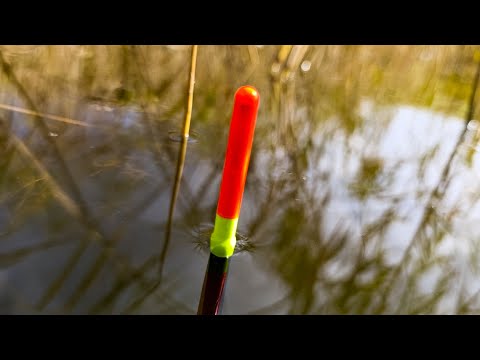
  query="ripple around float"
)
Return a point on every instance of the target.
[
  {"x": 202, "y": 233},
  {"x": 176, "y": 136}
]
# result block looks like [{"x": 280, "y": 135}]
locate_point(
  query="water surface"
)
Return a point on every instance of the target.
[{"x": 361, "y": 195}]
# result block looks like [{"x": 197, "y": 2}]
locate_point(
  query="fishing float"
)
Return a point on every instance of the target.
[{"x": 235, "y": 168}]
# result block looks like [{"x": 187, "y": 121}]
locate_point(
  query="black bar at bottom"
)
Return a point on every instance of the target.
[{"x": 213, "y": 285}]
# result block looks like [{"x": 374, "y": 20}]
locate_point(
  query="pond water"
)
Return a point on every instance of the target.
[{"x": 361, "y": 195}]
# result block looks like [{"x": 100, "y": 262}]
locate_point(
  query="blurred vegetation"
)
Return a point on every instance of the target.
[{"x": 90, "y": 161}]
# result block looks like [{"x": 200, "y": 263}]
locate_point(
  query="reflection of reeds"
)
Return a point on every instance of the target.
[
  {"x": 46, "y": 116},
  {"x": 71, "y": 207},
  {"x": 15, "y": 256},
  {"x": 44, "y": 131},
  {"x": 178, "y": 177},
  {"x": 347, "y": 296},
  {"x": 136, "y": 276},
  {"x": 437, "y": 192},
  {"x": 141, "y": 206},
  {"x": 77, "y": 208},
  {"x": 181, "y": 158},
  {"x": 106, "y": 301},
  {"x": 56, "y": 190},
  {"x": 338, "y": 78},
  {"x": 135, "y": 211},
  {"x": 67, "y": 270}
]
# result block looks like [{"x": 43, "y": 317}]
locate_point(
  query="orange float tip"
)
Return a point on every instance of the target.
[{"x": 239, "y": 146}]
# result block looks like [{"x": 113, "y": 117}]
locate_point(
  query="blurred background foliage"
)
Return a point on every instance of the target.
[{"x": 361, "y": 196}]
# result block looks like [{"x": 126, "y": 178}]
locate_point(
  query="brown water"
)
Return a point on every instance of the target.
[{"x": 361, "y": 195}]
